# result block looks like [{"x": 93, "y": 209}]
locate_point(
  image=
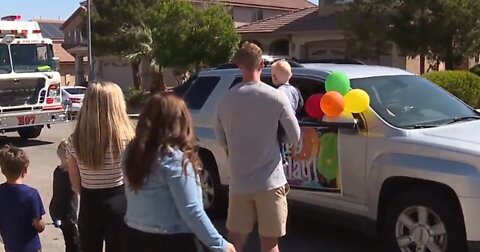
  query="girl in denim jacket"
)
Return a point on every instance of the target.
[{"x": 164, "y": 198}]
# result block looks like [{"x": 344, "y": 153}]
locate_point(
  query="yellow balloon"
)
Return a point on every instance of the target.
[{"x": 356, "y": 101}]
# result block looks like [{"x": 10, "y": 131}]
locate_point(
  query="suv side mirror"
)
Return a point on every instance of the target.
[{"x": 56, "y": 64}]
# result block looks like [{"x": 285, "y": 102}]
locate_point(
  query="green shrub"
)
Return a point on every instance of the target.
[
  {"x": 475, "y": 70},
  {"x": 463, "y": 84},
  {"x": 136, "y": 96}
]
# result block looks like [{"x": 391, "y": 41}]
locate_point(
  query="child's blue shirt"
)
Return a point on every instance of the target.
[{"x": 19, "y": 205}]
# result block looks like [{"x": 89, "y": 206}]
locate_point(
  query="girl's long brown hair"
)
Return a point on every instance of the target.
[{"x": 165, "y": 122}]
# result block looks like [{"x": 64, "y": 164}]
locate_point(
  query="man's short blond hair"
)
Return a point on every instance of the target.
[
  {"x": 248, "y": 56},
  {"x": 282, "y": 71}
]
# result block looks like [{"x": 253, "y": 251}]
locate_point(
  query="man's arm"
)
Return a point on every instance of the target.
[{"x": 288, "y": 120}]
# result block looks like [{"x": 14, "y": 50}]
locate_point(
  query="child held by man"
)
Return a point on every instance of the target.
[
  {"x": 21, "y": 207},
  {"x": 281, "y": 75},
  {"x": 64, "y": 204}
]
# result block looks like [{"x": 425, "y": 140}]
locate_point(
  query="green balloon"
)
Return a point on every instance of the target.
[
  {"x": 327, "y": 160},
  {"x": 338, "y": 81}
]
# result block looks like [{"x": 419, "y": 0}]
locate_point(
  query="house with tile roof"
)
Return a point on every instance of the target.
[
  {"x": 120, "y": 71},
  {"x": 315, "y": 33}
]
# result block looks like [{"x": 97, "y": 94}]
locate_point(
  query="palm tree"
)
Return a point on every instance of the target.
[{"x": 142, "y": 54}]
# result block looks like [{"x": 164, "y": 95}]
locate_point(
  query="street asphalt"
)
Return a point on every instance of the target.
[{"x": 304, "y": 235}]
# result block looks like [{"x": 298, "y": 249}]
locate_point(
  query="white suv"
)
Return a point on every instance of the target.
[{"x": 408, "y": 168}]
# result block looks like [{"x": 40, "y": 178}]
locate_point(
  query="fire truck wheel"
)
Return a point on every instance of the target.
[{"x": 30, "y": 132}]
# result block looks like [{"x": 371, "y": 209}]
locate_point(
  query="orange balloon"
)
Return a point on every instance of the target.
[{"x": 332, "y": 104}]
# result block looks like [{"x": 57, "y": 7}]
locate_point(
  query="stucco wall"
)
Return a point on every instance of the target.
[
  {"x": 413, "y": 65},
  {"x": 67, "y": 73},
  {"x": 265, "y": 40},
  {"x": 114, "y": 69}
]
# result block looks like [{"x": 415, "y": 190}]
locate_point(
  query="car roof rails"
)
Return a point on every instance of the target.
[
  {"x": 268, "y": 61},
  {"x": 335, "y": 61}
]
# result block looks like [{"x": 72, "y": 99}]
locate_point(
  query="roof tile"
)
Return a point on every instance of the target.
[
  {"x": 62, "y": 54},
  {"x": 289, "y": 4},
  {"x": 275, "y": 23},
  {"x": 314, "y": 22}
]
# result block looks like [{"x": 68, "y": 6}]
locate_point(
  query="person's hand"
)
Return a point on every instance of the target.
[
  {"x": 231, "y": 248},
  {"x": 39, "y": 224}
]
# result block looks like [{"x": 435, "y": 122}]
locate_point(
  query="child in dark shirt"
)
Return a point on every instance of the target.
[
  {"x": 21, "y": 207},
  {"x": 64, "y": 204}
]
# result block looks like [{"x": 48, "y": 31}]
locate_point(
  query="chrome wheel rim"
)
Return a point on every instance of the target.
[
  {"x": 208, "y": 189},
  {"x": 420, "y": 229}
]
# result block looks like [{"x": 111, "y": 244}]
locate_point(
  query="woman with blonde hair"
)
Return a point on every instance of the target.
[
  {"x": 164, "y": 199},
  {"x": 94, "y": 154}
]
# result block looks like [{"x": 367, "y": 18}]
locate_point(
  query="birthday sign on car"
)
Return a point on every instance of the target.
[{"x": 313, "y": 163}]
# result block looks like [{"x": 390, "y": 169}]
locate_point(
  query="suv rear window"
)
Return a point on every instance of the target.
[{"x": 199, "y": 92}]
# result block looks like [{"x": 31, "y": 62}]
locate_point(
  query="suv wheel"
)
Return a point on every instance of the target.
[
  {"x": 30, "y": 132},
  {"x": 424, "y": 221},
  {"x": 211, "y": 188}
]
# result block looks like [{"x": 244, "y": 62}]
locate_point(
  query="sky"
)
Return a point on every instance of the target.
[{"x": 46, "y": 9}]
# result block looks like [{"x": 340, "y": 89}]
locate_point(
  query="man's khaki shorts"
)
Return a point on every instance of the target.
[{"x": 268, "y": 209}]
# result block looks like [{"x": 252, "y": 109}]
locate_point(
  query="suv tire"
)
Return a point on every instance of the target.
[
  {"x": 440, "y": 227},
  {"x": 211, "y": 187},
  {"x": 30, "y": 132}
]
